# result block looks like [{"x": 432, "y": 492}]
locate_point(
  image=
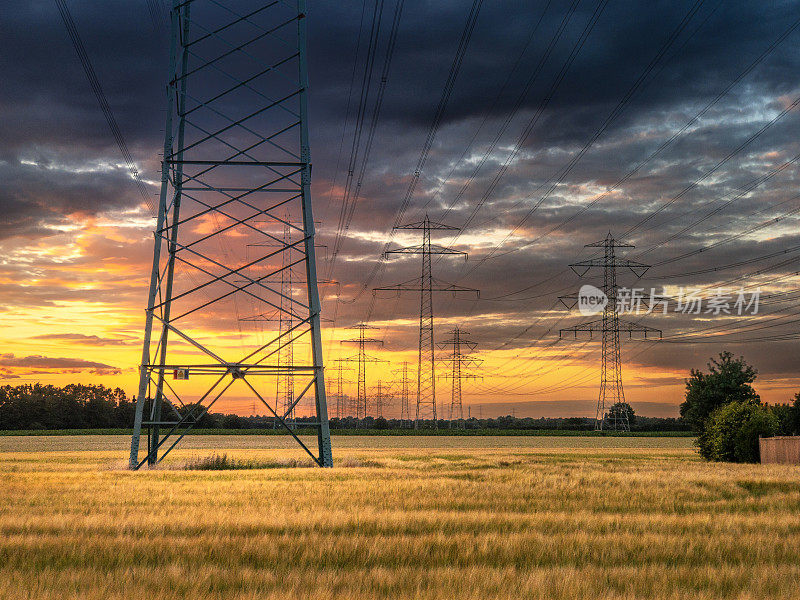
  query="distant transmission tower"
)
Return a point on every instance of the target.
[
  {"x": 362, "y": 358},
  {"x": 609, "y": 326},
  {"x": 403, "y": 382},
  {"x": 426, "y": 284},
  {"x": 382, "y": 398},
  {"x": 460, "y": 361},
  {"x": 284, "y": 390},
  {"x": 341, "y": 409},
  {"x": 284, "y": 393},
  {"x": 236, "y": 154}
]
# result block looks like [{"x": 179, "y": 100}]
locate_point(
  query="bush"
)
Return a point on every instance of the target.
[
  {"x": 728, "y": 380},
  {"x": 788, "y": 417},
  {"x": 732, "y": 431}
]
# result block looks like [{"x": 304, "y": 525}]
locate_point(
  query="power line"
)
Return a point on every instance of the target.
[
  {"x": 455, "y": 67},
  {"x": 366, "y": 80},
  {"x": 663, "y": 146},
  {"x": 348, "y": 105},
  {"x": 105, "y": 107},
  {"x": 543, "y": 104},
  {"x": 371, "y": 132}
]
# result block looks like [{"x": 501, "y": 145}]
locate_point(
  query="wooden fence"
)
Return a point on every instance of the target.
[{"x": 780, "y": 449}]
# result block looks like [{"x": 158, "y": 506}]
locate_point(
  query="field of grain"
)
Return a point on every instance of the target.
[{"x": 407, "y": 517}]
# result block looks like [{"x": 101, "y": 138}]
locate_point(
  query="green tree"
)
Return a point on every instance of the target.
[
  {"x": 728, "y": 380},
  {"x": 618, "y": 412},
  {"x": 793, "y": 420},
  {"x": 788, "y": 416},
  {"x": 74, "y": 406},
  {"x": 731, "y": 432}
]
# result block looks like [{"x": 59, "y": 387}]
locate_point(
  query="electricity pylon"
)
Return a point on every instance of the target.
[
  {"x": 362, "y": 358},
  {"x": 426, "y": 284},
  {"x": 236, "y": 153},
  {"x": 609, "y": 326},
  {"x": 405, "y": 417},
  {"x": 460, "y": 360},
  {"x": 284, "y": 389},
  {"x": 284, "y": 393},
  {"x": 381, "y": 399},
  {"x": 341, "y": 409}
]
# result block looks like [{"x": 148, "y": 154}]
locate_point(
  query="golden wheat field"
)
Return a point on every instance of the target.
[{"x": 399, "y": 517}]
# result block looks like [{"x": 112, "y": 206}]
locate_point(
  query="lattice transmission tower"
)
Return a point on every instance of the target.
[
  {"x": 609, "y": 326},
  {"x": 282, "y": 315},
  {"x": 426, "y": 284},
  {"x": 284, "y": 392},
  {"x": 288, "y": 283},
  {"x": 460, "y": 360},
  {"x": 341, "y": 398},
  {"x": 236, "y": 157},
  {"x": 382, "y": 399},
  {"x": 403, "y": 382},
  {"x": 361, "y": 359}
]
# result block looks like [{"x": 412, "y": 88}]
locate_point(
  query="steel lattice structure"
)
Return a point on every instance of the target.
[
  {"x": 405, "y": 416},
  {"x": 609, "y": 326},
  {"x": 361, "y": 359},
  {"x": 382, "y": 398},
  {"x": 426, "y": 284},
  {"x": 236, "y": 173},
  {"x": 284, "y": 392},
  {"x": 460, "y": 361},
  {"x": 341, "y": 409}
]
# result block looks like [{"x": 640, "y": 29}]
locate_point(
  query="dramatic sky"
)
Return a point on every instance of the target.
[{"x": 672, "y": 125}]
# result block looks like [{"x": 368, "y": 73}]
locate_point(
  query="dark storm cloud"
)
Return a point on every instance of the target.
[
  {"x": 42, "y": 194},
  {"x": 624, "y": 40}
]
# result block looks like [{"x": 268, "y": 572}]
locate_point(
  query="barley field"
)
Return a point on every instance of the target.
[{"x": 410, "y": 517}]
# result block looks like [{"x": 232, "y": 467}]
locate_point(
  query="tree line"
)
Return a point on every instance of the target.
[{"x": 78, "y": 406}]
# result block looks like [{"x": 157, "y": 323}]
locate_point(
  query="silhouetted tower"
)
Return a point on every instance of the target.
[
  {"x": 609, "y": 326},
  {"x": 341, "y": 409},
  {"x": 382, "y": 398},
  {"x": 283, "y": 315},
  {"x": 236, "y": 154},
  {"x": 403, "y": 382},
  {"x": 426, "y": 284},
  {"x": 460, "y": 361},
  {"x": 284, "y": 393},
  {"x": 362, "y": 358}
]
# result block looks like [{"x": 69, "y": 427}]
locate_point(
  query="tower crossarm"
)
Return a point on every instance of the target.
[
  {"x": 432, "y": 249},
  {"x": 609, "y": 242},
  {"x": 362, "y": 341},
  {"x": 366, "y": 358},
  {"x": 583, "y": 267},
  {"x": 569, "y": 301},
  {"x": 599, "y": 326},
  {"x": 427, "y": 224},
  {"x": 415, "y": 286},
  {"x": 462, "y": 376}
]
